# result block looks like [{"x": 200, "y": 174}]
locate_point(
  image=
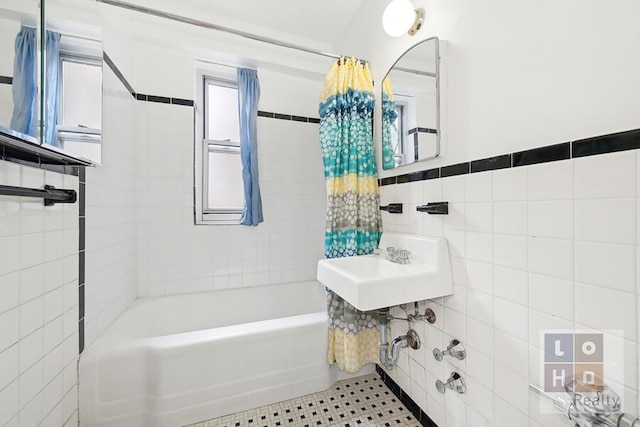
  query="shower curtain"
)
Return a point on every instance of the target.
[
  {"x": 353, "y": 225},
  {"x": 389, "y": 129}
]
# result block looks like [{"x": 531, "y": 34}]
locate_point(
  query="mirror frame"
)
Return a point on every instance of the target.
[{"x": 437, "y": 82}]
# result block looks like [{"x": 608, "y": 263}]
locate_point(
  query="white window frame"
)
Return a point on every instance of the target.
[
  {"x": 222, "y": 76},
  {"x": 75, "y": 133}
]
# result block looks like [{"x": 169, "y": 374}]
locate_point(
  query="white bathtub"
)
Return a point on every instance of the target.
[{"x": 171, "y": 361}]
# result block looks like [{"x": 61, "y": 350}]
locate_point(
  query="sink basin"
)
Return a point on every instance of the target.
[{"x": 370, "y": 282}]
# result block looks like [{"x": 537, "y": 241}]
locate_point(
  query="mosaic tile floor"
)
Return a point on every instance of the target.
[{"x": 359, "y": 402}]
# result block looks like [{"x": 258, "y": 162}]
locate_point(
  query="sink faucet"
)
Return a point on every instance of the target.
[{"x": 401, "y": 256}]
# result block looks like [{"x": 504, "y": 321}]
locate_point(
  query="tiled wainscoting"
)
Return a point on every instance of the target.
[
  {"x": 545, "y": 244},
  {"x": 38, "y": 302}
]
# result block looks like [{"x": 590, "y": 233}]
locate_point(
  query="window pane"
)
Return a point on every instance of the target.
[
  {"x": 82, "y": 95},
  {"x": 226, "y": 188},
  {"x": 222, "y": 113}
]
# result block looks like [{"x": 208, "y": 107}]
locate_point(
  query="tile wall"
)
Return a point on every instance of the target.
[
  {"x": 177, "y": 257},
  {"x": 549, "y": 246},
  {"x": 110, "y": 245},
  {"x": 38, "y": 302}
]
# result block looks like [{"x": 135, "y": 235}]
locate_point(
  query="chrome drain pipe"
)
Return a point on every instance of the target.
[{"x": 412, "y": 340}]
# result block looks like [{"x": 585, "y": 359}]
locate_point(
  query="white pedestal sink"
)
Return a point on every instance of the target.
[{"x": 371, "y": 282}]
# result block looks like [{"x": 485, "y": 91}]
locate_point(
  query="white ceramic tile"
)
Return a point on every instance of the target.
[
  {"x": 603, "y": 308},
  {"x": 551, "y": 181},
  {"x": 511, "y": 318},
  {"x": 479, "y": 217},
  {"x": 511, "y": 284},
  {"x": 456, "y": 219},
  {"x": 510, "y": 251},
  {"x": 458, "y": 271},
  {"x": 552, "y": 219},
  {"x": 479, "y": 187},
  {"x": 615, "y": 177},
  {"x": 31, "y": 350},
  {"x": 551, "y": 257},
  {"x": 454, "y": 324},
  {"x": 9, "y": 365},
  {"x": 9, "y": 333},
  {"x": 480, "y": 336},
  {"x": 551, "y": 295},
  {"x": 607, "y": 265},
  {"x": 606, "y": 220},
  {"x": 31, "y": 249},
  {"x": 9, "y": 291},
  {"x": 511, "y": 352},
  {"x": 480, "y": 399},
  {"x": 455, "y": 242},
  {"x": 511, "y": 386},
  {"x": 510, "y": 218},
  {"x": 479, "y": 246},
  {"x": 453, "y": 189},
  {"x": 480, "y": 276},
  {"x": 479, "y": 366},
  {"x": 480, "y": 307},
  {"x": 510, "y": 184},
  {"x": 541, "y": 323},
  {"x": 31, "y": 316},
  {"x": 11, "y": 405},
  {"x": 10, "y": 254},
  {"x": 509, "y": 415}
]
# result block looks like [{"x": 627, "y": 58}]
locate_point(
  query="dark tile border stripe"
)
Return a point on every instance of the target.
[
  {"x": 550, "y": 153},
  {"x": 459, "y": 169},
  {"x": 82, "y": 177},
  {"x": 603, "y": 144},
  {"x": 606, "y": 144},
  {"x": 6, "y": 80},
  {"x": 421, "y": 130},
  {"x": 118, "y": 73},
  {"x": 291, "y": 117},
  {"x": 491, "y": 163},
  {"x": 141, "y": 96},
  {"x": 415, "y": 410}
]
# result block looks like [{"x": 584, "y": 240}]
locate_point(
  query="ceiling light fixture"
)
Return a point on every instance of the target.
[{"x": 401, "y": 18}]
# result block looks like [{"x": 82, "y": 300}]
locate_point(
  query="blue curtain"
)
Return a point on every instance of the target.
[
  {"x": 25, "y": 114},
  {"x": 24, "y": 88},
  {"x": 248, "y": 97},
  {"x": 51, "y": 90}
]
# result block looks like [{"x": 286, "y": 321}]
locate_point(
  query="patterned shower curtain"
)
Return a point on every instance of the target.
[
  {"x": 390, "y": 137},
  {"x": 353, "y": 224}
]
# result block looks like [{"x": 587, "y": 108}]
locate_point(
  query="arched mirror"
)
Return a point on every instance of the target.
[{"x": 410, "y": 107}]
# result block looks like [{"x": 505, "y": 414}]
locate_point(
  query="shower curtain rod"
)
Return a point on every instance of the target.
[
  {"x": 412, "y": 71},
  {"x": 207, "y": 25}
]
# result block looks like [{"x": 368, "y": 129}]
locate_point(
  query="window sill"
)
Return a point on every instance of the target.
[{"x": 24, "y": 149}]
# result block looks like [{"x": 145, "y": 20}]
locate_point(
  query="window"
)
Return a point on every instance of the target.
[
  {"x": 79, "y": 101},
  {"x": 219, "y": 185}
]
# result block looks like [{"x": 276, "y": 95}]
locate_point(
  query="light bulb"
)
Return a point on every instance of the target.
[{"x": 398, "y": 17}]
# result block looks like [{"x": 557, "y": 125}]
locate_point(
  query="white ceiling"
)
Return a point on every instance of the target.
[{"x": 318, "y": 21}]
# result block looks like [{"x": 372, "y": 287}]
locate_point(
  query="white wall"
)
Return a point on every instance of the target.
[
  {"x": 38, "y": 303},
  {"x": 111, "y": 270},
  {"x": 516, "y": 75},
  {"x": 548, "y": 246},
  {"x": 176, "y": 256}
]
